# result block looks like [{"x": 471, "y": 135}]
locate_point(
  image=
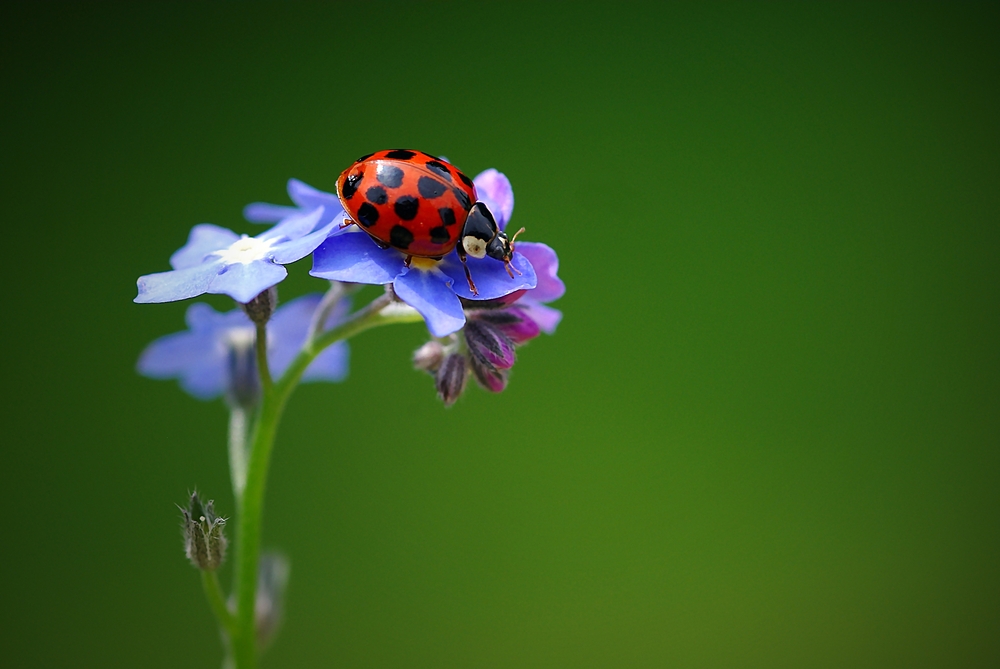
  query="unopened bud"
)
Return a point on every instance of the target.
[
  {"x": 488, "y": 376},
  {"x": 269, "y": 607},
  {"x": 204, "y": 536},
  {"x": 428, "y": 358},
  {"x": 450, "y": 378},
  {"x": 513, "y": 322},
  {"x": 260, "y": 308},
  {"x": 488, "y": 345}
]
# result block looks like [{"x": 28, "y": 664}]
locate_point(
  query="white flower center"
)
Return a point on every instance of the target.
[
  {"x": 240, "y": 339},
  {"x": 246, "y": 250}
]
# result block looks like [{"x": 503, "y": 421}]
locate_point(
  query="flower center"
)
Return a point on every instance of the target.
[
  {"x": 245, "y": 250},
  {"x": 423, "y": 263}
]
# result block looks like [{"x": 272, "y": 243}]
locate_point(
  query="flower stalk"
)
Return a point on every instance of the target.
[{"x": 274, "y": 397}]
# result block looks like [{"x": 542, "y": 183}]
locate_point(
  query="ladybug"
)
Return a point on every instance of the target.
[{"x": 423, "y": 206}]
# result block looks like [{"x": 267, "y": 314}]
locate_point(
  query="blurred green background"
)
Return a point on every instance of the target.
[{"x": 765, "y": 434}]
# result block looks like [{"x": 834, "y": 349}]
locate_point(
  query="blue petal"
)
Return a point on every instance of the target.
[
  {"x": 287, "y": 252},
  {"x": 204, "y": 239},
  {"x": 306, "y": 196},
  {"x": 243, "y": 282},
  {"x": 287, "y": 332},
  {"x": 178, "y": 284},
  {"x": 296, "y": 226},
  {"x": 262, "y": 212},
  {"x": 429, "y": 293},
  {"x": 355, "y": 258},
  {"x": 330, "y": 365},
  {"x": 489, "y": 275},
  {"x": 493, "y": 189}
]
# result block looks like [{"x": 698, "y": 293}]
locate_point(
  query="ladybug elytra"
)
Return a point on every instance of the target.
[{"x": 422, "y": 206}]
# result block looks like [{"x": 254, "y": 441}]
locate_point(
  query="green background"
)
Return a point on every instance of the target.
[{"x": 764, "y": 435}]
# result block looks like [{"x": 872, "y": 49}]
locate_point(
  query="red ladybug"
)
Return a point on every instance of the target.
[{"x": 422, "y": 206}]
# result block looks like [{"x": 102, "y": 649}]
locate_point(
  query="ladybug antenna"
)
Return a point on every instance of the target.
[
  {"x": 507, "y": 258},
  {"x": 515, "y": 237}
]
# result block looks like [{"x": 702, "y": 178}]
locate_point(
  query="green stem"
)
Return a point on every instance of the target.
[
  {"x": 273, "y": 400},
  {"x": 217, "y": 600}
]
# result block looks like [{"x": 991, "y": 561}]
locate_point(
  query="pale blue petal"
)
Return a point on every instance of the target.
[
  {"x": 204, "y": 239},
  {"x": 243, "y": 282},
  {"x": 262, "y": 212},
  {"x": 296, "y": 249},
  {"x": 546, "y": 263},
  {"x": 489, "y": 275},
  {"x": 308, "y": 197},
  {"x": 178, "y": 284},
  {"x": 355, "y": 258},
  {"x": 428, "y": 292},
  {"x": 296, "y": 226},
  {"x": 330, "y": 365},
  {"x": 493, "y": 189}
]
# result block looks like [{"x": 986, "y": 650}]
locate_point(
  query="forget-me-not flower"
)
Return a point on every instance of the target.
[
  {"x": 216, "y": 356},
  {"x": 433, "y": 288},
  {"x": 216, "y": 260}
]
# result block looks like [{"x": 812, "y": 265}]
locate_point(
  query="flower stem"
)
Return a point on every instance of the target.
[
  {"x": 273, "y": 400},
  {"x": 217, "y": 600}
]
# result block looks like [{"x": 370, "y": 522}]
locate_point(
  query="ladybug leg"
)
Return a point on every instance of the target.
[
  {"x": 468, "y": 274},
  {"x": 346, "y": 224},
  {"x": 407, "y": 261},
  {"x": 509, "y": 267}
]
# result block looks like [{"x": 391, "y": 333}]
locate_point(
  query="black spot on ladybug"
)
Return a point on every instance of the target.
[
  {"x": 400, "y": 154},
  {"x": 463, "y": 198},
  {"x": 367, "y": 215},
  {"x": 389, "y": 176},
  {"x": 400, "y": 237},
  {"x": 440, "y": 168},
  {"x": 351, "y": 184},
  {"x": 440, "y": 235},
  {"x": 430, "y": 188},
  {"x": 376, "y": 195},
  {"x": 406, "y": 208},
  {"x": 364, "y": 157},
  {"x": 447, "y": 215},
  {"x": 466, "y": 180}
]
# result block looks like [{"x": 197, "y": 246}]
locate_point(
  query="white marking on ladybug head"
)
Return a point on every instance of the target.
[{"x": 474, "y": 246}]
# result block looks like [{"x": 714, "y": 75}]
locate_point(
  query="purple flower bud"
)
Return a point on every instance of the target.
[
  {"x": 204, "y": 536},
  {"x": 513, "y": 322},
  {"x": 450, "y": 378},
  {"x": 488, "y": 376},
  {"x": 488, "y": 344},
  {"x": 428, "y": 358}
]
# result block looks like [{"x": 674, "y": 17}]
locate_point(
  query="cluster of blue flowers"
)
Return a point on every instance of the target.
[{"x": 471, "y": 334}]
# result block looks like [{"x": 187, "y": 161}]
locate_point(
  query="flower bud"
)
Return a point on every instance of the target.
[
  {"x": 260, "y": 308},
  {"x": 204, "y": 536},
  {"x": 488, "y": 376},
  {"x": 269, "y": 606},
  {"x": 450, "y": 378},
  {"x": 513, "y": 322},
  {"x": 428, "y": 358},
  {"x": 487, "y": 344}
]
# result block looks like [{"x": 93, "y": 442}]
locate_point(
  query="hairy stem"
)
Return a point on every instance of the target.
[{"x": 273, "y": 400}]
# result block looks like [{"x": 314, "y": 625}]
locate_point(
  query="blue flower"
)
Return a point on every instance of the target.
[
  {"x": 431, "y": 287},
  {"x": 216, "y": 355},
  {"x": 217, "y": 260},
  {"x": 306, "y": 199}
]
